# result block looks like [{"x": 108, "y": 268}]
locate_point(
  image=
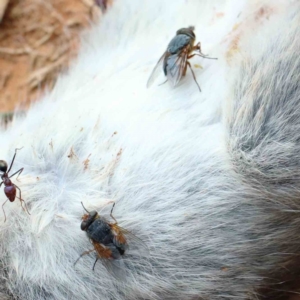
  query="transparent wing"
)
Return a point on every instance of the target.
[
  {"x": 120, "y": 266},
  {"x": 124, "y": 238},
  {"x": 126, "y": 267},
  {"x": 176, "y": 65},
  {"x": 111, "y": 259},
  {"x": 116, "y": 267},
  {"x": 156, "y": 71}
]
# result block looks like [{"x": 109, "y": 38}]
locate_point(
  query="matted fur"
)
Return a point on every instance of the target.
[{"x": 209, "y": 181}]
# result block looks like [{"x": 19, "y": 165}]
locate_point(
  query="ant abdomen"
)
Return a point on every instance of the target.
[{"x": 10, "y": 192}]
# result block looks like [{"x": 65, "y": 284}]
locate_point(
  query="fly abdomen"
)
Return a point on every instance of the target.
[{"x": 115, "y": 251}]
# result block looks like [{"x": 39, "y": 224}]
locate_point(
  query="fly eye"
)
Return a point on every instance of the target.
[
  {"x": 187, "y": 31},
  {"x": 3, "y": 166},
  {"x": 83, "y": 225},
  {"x": 179, "y": 31},
  {"x": 89, "y": 220}
]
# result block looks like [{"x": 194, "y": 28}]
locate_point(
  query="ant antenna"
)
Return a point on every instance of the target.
[{"x": 84, "y": 208}]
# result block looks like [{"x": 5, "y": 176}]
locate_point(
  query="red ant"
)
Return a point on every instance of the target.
[{"x": 10, "y": 189}]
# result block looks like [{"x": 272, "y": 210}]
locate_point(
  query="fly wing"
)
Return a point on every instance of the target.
[
  {"x": 158, "y": 69},
  {"x": 119, "y": 239},
  {"x": 124, "y": 239},
  {"x": 123, "y": 266},
  {"x": 108, "y": 251},
  {"x": 117, "y": 268},
  {"x": 109, "y": 256},
  {"x": 176, "y": 64}
]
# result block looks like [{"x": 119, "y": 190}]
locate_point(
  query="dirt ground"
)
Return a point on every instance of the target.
[{"x": 38, "y": 39}]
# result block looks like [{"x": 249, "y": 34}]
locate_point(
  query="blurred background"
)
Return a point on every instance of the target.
[{"x": 38, "y": 40}]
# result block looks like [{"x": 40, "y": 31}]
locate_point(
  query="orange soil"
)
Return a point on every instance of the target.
[{"x": 37, "y": 40}]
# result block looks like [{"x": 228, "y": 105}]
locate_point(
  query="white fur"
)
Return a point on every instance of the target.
[{"x": 191, "y": 173}]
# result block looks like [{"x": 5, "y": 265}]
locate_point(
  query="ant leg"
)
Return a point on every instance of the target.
[
  {"x": 12, "y": 162},
  {"x": 20, "y": 171},
  {"x": 112, "y": 211},
  {"x": 188, "y": 63},
  {"x": 22, "y": 200},
  {"x": 4, "y": 211},
  {"x": 82, "y": 254},
  {"x": 26, "y": 209},
  {"x": 1, "y": 183},
  {"x": 95, "y": 263}
]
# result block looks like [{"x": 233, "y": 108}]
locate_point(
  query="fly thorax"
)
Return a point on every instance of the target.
[{"x": 178, "y": 43}]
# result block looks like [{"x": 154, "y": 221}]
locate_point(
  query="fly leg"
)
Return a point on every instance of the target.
[
  {"x": 188, "y": 64},
  {"x": 82, "y": 254},
  {"x": 163, "y": 82},
  {"x": 204, "y": 56},
  {"x": 185, "y": 68},
  {"x": 111, "y": 213},
  {"x": 198, "y": 47},
  {"x": 95, "y": 263}
]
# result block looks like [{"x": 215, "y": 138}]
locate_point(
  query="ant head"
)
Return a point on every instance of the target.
[{"x": 3, "y": 166}]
